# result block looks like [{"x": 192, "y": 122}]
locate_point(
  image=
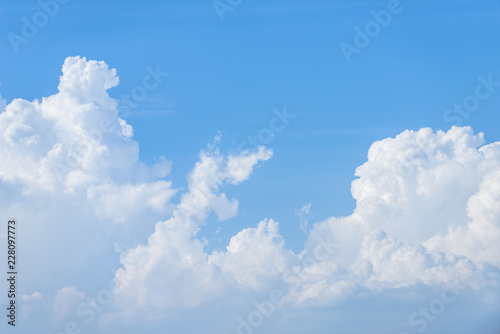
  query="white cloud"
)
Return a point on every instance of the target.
[
  {"x": 304, "y": 216},
  {"x": 33, "y": 297},
  {"x": 73, "y": 138},
  {"x": 384, "y": 244},
  {"x": 74, "y": 141},
  {"x": 65, "y": 303},
  {"x": 70, "y": 168},
  {"x": 479, "y": 239},
  {"x": 173, "y": 268},
  {"x": 3, "y": 103},
  {"x": 125, "y": 201},
  {"x": 426, "y": 212},
  {"x": 433, "y": 224},
  {"x": 255, "y": 256}
]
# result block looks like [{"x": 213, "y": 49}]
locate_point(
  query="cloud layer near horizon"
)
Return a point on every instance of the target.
[{"x": 426, "y": 213}]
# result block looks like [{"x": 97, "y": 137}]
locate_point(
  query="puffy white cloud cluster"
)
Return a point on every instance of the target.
[
  {"x": 70, "y": 172},
  {"x": 425, "y": 214},
  {"x": 75, "y": 142},
  {"x": 426, "y": 211},
  {"x": 174, "y": 269}
]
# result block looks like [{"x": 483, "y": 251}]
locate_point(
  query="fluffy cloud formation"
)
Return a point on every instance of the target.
[
  {"x": 425, "y": 202},
  {"x": 173, "y": 269},
  {"x": 426, "y": 214},
  {"x": 75, "y": 142},
  {"x": 71, "y": 175}
]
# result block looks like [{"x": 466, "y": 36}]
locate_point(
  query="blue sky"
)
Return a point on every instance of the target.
[{"x": 227, "y": 76}]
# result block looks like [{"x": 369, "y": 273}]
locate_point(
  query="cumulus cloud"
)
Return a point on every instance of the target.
[
  {"x": 255, "y": 256},
  {"x": 70, "y": 169},
  {"x": 478, "y": 239},
  {"x": 446, "y": 190},
  {"x": 417, "y": 220},
  {"x": 118, "y": 202},
  {"x": 173, "y": 268},
  {"x": 74, "y": 141},
  {"x": 426, "y": 212}
]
